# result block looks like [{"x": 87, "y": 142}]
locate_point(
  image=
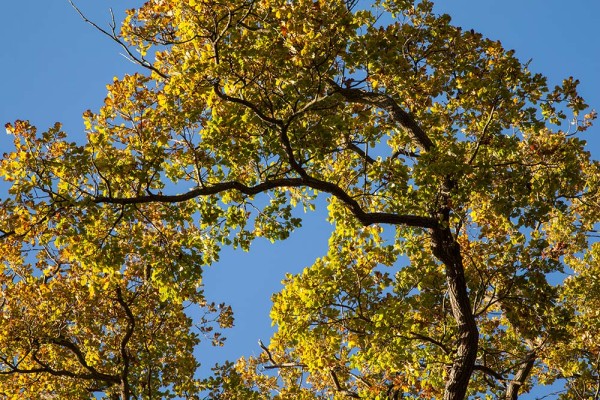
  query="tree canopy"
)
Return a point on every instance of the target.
[{"x": 457, "y": 182}]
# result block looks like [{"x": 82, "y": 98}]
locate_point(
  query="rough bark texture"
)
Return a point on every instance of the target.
[
  {"x": 512, "y": 391},
  {"x": 446, "y": 249}
]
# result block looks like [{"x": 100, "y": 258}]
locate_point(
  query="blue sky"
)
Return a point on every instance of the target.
[{"x": 54, "y": 67}]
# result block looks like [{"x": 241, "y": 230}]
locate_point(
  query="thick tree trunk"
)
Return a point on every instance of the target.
[
  {"x": 446, "y": 249},
  {"x": 124, "y": 390}
]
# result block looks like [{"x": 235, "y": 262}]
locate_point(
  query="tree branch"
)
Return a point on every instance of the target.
[
  {"x": 512, "y": 392},
  {"x": 94, "y": 373},
  {"x": 123, "y": 346},
  {"x": 274, "y": 364},
  {"x": 339, "y": 387},
  {"x": 363, "y": 154},
  {"x": 488, "y": 371},
  {"x": 386, "y": 102},
  {"x": 366, "y": 218},
  {"x": 5, "y": 234},
  {"x": 140, "y": 61},
  {"x": 245, "y": 103},
  {"x": 45, "y": 368},
  {"x": 431, "y": 340}
]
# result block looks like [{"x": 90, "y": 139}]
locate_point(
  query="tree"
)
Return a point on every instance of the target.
[{"x": 457, "y": 181}]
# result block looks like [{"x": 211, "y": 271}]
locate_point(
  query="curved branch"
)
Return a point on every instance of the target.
[
  {"x": 431, "y": 340},
  {"x": 274, "y": 364},
  {"x": 366, "y": 218},
  {"x": 45, "y": 368},
  {"x": 386, "y": 102},
  {"x": 489, "y": 371},
  {"x": 245, "y": 103},
  {"x": 93, "y": 372},
  {"x": 339, "y": 387},
  {"x": 363, "y": 154},
  {"x": 287, "y": 147}
]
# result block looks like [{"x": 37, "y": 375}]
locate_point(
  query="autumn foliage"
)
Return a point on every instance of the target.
[{"x": 457, "y": 183}]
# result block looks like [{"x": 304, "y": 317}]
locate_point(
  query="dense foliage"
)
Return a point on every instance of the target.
[{"x": 457, "y": 182}]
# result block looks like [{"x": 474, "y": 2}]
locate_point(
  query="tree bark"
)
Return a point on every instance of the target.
[
  {"x": 447, "y": 250},
  {"x": 512, "y": 392}
]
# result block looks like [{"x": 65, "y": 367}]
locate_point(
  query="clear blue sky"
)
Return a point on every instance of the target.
[{"x": 54, "y": 66}]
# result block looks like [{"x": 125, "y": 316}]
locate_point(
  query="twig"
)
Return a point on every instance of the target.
[
  {"x": 274, "y": 364},
  {"x": 140, "y": 61}
]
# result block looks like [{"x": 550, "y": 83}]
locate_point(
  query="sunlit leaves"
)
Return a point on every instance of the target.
[{"x": 103, "y": 242}]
